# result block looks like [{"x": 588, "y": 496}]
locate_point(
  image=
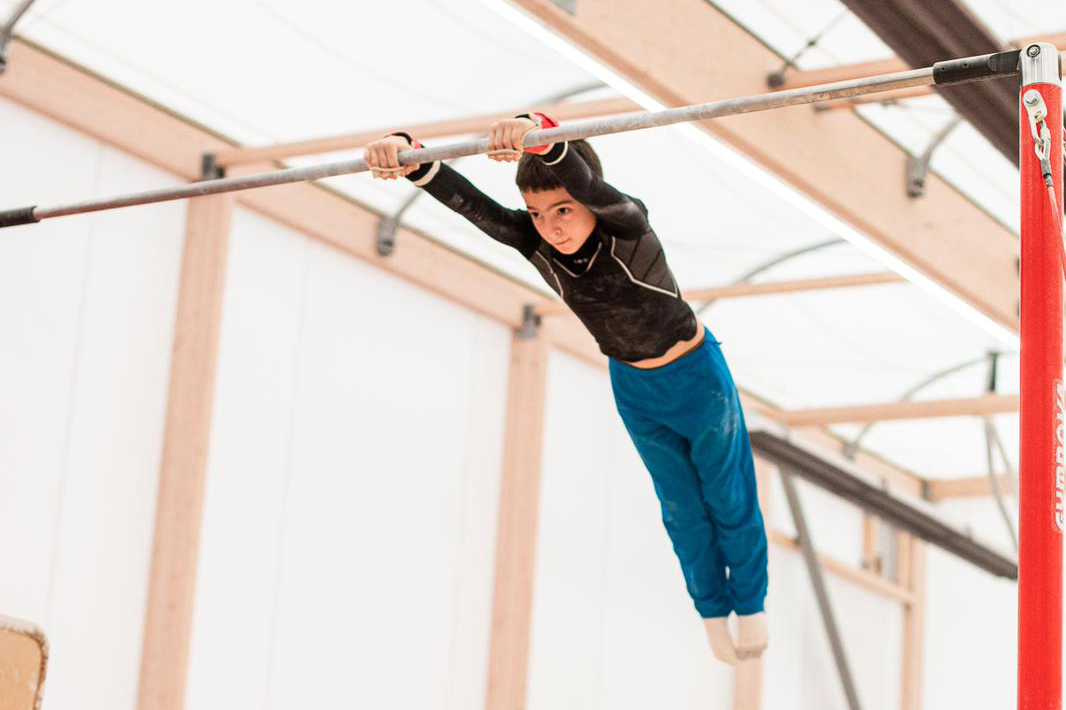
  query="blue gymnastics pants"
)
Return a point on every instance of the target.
[{"x": 687, "y": 424}]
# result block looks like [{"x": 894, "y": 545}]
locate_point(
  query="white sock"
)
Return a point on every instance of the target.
[
  {"x": 752, "y": 635},
  {"x": 720, "y": 639}
]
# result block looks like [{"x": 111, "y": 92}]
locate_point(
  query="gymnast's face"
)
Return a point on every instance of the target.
[{"x": 561, "y": 220}]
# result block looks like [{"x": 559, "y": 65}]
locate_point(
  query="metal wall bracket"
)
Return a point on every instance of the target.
[
  {"x": 918, "y": 165},
  {"x": 530, "y": 327},
  {"x": 386, "y": 241},
  {"x": 209, "y": 167},
  {"x": 7, "y": 31}
]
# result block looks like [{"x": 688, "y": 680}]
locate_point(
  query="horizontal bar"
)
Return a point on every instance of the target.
[
  {"x": 573, "y": 131},
  {"x": 886, "y": 98},
  {"x": 435, "y": 129},
  {"x": 845, "y": 480},
  {"x": 891, "y": 411}
]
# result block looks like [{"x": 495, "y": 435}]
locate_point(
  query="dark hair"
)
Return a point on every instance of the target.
[{"x": 534, "y": 176}]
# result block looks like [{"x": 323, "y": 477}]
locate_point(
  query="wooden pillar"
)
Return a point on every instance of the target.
[
  {"x": 912, "y": 575},
  {"x": 516, "y": 533},
  {"x": 172, "y": 579}
]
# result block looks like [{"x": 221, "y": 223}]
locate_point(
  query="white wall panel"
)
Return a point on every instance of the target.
[
  {"x": 86, "y": 323},
  {"x": 971, "y": 627},
  {"x": 351, "y": 505}
]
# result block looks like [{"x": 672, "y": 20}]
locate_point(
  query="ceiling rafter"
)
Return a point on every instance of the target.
[{"x": 768, "y": 288}]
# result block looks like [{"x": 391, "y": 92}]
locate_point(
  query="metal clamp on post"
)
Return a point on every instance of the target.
[{"x": 1037, "y": 110}]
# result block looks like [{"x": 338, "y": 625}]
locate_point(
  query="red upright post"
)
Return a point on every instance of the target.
[{"x": 1043, "y": 455}]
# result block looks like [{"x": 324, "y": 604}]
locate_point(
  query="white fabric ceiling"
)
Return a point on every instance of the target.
[{"x": 262, "y": 71}]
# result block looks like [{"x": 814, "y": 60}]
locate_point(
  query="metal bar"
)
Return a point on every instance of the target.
[
  {"x": 844, "y": 479},
  {"x": 990, "y": 454},
  {"x": 9, "y": 27},
  {"x": 1041, "y": 503},
  {"x": 8, "y": 30},
  {"x": 954, "y": 71},
  {"x": 1011, "y": 474},
  {"x": 820, "y": 592}
]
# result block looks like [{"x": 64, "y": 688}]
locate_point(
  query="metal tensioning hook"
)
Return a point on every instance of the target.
[{"x": 1036, "y": 107}]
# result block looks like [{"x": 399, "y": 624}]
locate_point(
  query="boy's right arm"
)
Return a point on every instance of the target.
[{"x": 511, "y": 227}]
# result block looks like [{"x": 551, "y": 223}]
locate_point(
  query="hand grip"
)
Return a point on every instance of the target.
[{"x": 23, "y": 215}]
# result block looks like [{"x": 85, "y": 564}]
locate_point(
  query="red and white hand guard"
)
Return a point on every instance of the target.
[{"x": 542, "y": 120}]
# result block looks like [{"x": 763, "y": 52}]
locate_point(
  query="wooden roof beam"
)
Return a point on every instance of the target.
[
  {"x": 557, "y": 307},
  {"x": 861, "y": 414},
  {"x": 435, "y": 129},
  {"x": 967, "y": 487}
]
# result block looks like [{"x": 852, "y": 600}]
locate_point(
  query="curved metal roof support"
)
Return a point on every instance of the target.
[
  {"x": 386, "y": 238},
  {"x": 918, "y": 165},
  {"x": 775, "y": 262},
  {"x": 1011, "y": 471},
  {"x": 994, "y": 483},
  {"x": 8, "y": 30}
]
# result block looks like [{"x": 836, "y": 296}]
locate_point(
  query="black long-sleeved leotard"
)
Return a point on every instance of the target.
[{"x": 617, "y": 283}]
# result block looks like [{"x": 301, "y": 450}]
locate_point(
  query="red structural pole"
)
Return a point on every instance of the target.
[{"x": 1043, "y": 455}]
